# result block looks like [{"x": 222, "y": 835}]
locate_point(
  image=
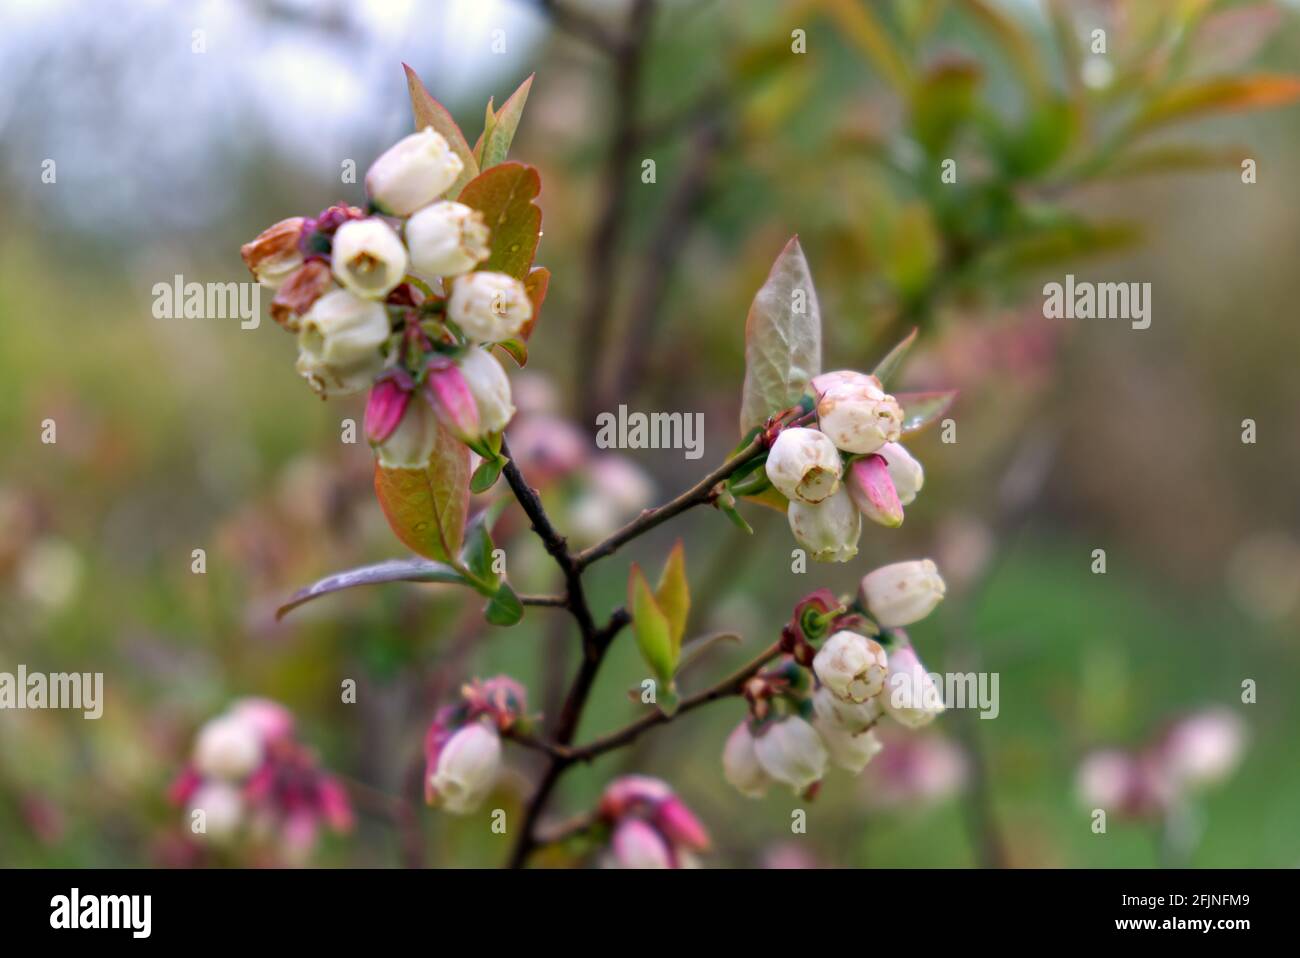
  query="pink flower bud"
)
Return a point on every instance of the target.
[
  {"x": 384, "y": 408},
  {"x": 852, "y": 666},
  {"x": 1203, "y": 748},
  {"x": 228, "y": 747},
  {"x": 272, "y": 720},
  {"x": 299, "y": 293},
  {"x": 452, "y": 401},
  {"x": 820, "y": 384},
  {"x": 904, "y": 471},
  {"x": 489, "y": 386},
  {"x": 637, "y": 845},
  {"x": 680, "y": 825},
  {"x": 222, "y": 808},
  {"x": 630, "y": 792},
  {"x": 872, "y": 491}
]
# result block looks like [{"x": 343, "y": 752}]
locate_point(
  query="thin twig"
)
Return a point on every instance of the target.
[
  {"x": 698, "y": 494},
  {"x": 579, "y": 25},
  {"x": 552, "y": 601}
]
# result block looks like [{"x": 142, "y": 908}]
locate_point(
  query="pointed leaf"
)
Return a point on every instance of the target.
[
  {"x": 517, "y": 350},
  {"x": 1220, "y": 94},
  {"x": 674, "y": 596},
  {"x": 504, "y": 195},
  {"x": 485, "y": 476},
  {"x": 427, "y": 508},
  {"x": 653, "y": 633},
  {"x": 921, "y": 409},
  {"x": 889, "y": 365},
  {"x": 392, "y": 570},
  {"x": 489, "y": 119},
  {"x": 497, "y": 137},
  {"x": 429, "y": 112},
  {"x": 695, "y": 648},
  {"x": 771, "y": 498},
  {"x": 783, "y": 339},
  {"x": 505, "y": 607},
  {"x": 477, "y": 557}
]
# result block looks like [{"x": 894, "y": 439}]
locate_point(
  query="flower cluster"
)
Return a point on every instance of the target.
[
  {"x": 462, "y": 748},
  {"x": 650, "y": 826},
  {"x": 394, "y": 300},
  {"x": 819, "y": 704},
  {"x": 249, "y": 776},
  {"x": 1200, "y": 749},
  {"x": 849, "y": 466}
]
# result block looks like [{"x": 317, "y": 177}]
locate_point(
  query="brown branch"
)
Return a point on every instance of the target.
[
  {"x": 698, "y": 494},
  {"x": 551, "y": 601},
  {"x": 603, "y": 245},
  {"x": 579, "y": 25}
]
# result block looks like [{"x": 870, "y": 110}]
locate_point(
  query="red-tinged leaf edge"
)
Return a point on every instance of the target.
[
  {"x": 429, "y": 112},
  {"x": 536, "y": 283},
  {"x": 390, "y": 570},
  {"x": 894, "y": 359},
  {"x": 497, "y": 136}
]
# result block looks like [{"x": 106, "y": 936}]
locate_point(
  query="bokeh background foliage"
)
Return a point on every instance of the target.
[{"x": 182, "y": 434}]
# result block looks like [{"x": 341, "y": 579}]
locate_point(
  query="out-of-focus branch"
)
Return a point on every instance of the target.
[
  {"x": 665, "y": 248},
  {"x": 603, "y": 245},
  {"x": 578, "y": 24}
]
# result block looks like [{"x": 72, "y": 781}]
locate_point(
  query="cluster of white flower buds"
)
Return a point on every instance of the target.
[
  {"x": 462, "y": 748},
  {"x": 396, "y": 299},
  {"x": 650, "y": 827},
  {"x": 1196, "y": 751},
  {"x": 850, "y": 466},
  {"x": 247, "y": 774},
  {"x": 819, "y": 705}
]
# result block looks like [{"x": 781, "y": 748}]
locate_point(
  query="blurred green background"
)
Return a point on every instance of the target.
[{"x": 175, "y": 435}]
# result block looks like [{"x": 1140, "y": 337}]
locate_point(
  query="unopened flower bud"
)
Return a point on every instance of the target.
[
  {"x": 228, "y": 747},
  {"x": 679, "y": 824},
  {"x": 368, "y": 257},
  {"x": 449, "y": 395},
  {"x": 447, "y": 239},
  {"x": 274, "y": 254},
  {"x": 636, "y": 844},
  {"x": 740, "y": 765},
  {"x": 804, "y": 465},
  {"x": 850, "y": 751},
  {"x": 791, "y": 751},
  {"x": 271, "y": 720},
  {"x": 308, "y": 283},
  {"x": 858, "y": 417},
  {"x": 411, "y": 443},
  {"x": 852, "y": 666},
  {"x": 489, "y": 307},
  {"x": 222, "y": 808},
  {"x": 1107, "y": 778},
  {"x": 855, "y": 717},
  {"x": 412, "y": 173},
  {"x": 385, "y": 407},
  {"x": 902, "y": 593},
  {"x": 820, "y": 384},
  {"x": 904, "y": 470},
  {"x": 490, "y": 387},
  {"x": 829, "y": 530},
  {"x": 912, "y": 698},
  {"x": 872, "y": 491},
  {"x": 467, "y": 768},
  {"x": 339, "y": 343}
]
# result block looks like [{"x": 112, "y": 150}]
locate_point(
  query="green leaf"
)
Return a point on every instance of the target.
[
  {"x": 889, "y": 365},
  {"x": 500, "y": 131},
  {"x": 517, "y": 350},
  {"x": 858, "y": 24},
  {"x": 429, "y": 112},
  {"x": 921, "y": 409},
  {"x": 392, "y": 570},
  {"x": 477, "y": 557},
  {"x": 1173, "y": 158},
  {"x": 651, "y": 626},
  {"x": 489, "y": 119},
  {"x": 943, "y": 102},
  {"x": 504, "y": 195},
  {"x": 783, "y": 339},
  {"x": 505, "y": 607},
  {"x": 727, "y": 506},
  {"x": 485, "y": 476},
  {"x": 1218, "y": 95},
  {"x": 674, "y": 597},
  {"x": 427, "y": 508}
]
